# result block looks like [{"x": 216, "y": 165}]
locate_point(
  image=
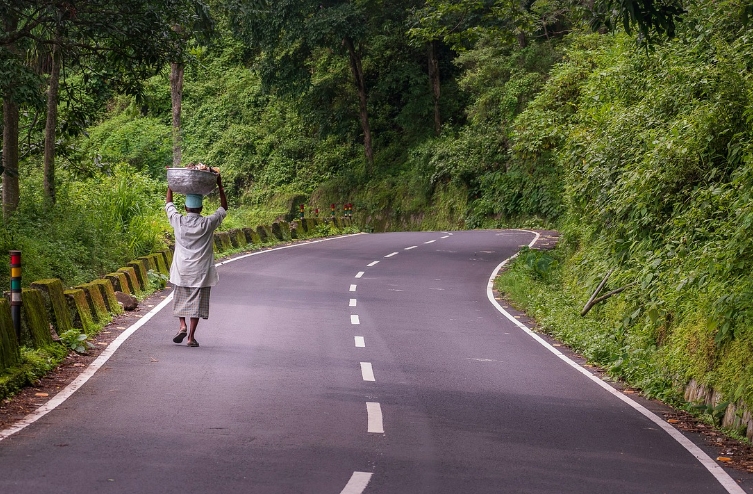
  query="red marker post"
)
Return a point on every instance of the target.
[
  {"x": 15, "y": 290},
  {"x": 302, "y": 210}
]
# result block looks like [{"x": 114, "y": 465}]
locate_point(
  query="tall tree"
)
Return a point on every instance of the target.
[{"x": 285, "y": 35}]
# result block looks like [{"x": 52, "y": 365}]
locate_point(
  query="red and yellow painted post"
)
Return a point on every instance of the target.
[
  {"x": 332, "y": 208},
  {"x": 302, "y": 210},
  {"x": 15, "y": 290}
]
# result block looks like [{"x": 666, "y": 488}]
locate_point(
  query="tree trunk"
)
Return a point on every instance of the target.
[
  {"x": 357, "y": 69},
  {"x": 11, "y": 189},
  {"x": 10, "y": 156},
  {"x": 52, "y": 121},
  {"x": 435, "y": 85},
  {"x": 176, "y": 94}
]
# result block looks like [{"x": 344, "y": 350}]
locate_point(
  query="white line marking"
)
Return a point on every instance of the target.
[
  {"x": 352, "y": 288},
  {"x": 411, "y": 247},
  {"x": 372, "y": 264},
  {"x": 357, "y": 483},
  {"x": 359, "y": 274},
  {"x": 108, "y": 352},
  {"x": 84, "y": 376},
  {"x": 352, "y": 303},
  {"x": 393, "y": 254},
  {"x": 430, "y": 241},
  {"x": 360, "y": 342},
  {"x": 717, "y": 471},
  {"x": 374, "y": 413},
  {"x": 446, "y": 236},
  {"x": 354, "y": 319},
  {"x": 367, "y": 371}
]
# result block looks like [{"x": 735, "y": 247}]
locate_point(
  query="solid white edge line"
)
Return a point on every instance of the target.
[
  {"x": 359, "y": 274},
  {"x": 375, "y": 421},
  {"x": 411, "y": 247},
  {"x": 357, "y": 483},
  {"x": 352, "y": 288},
  {"x": 352, "y": 302},
  {"x": 108, "y": 352},
  {"x": 66, "y": 392},
  {"x": 372, "y": 264},
  {"x": 354, "y": 319},
  {"x": 360, "y": 342},
  {"x": 393, "y": 254},
  {"x": 367, "y": 372},
  {"x": 717, "y": 471}
]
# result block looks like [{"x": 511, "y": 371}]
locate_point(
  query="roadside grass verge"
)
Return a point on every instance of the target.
[{"x": 535, "y": 283}]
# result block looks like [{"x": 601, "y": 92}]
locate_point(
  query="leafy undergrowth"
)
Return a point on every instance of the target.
[{"x": 534, "y": 283}]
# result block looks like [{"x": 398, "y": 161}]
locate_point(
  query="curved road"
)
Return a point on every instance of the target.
[{"x": 370, "y": 363}]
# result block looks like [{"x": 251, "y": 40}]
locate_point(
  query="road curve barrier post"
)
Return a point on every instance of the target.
[
  {"x": 302, "y": 211},
  {"x": 15, "y": 291},
  {"x": 332, "y": 210}
]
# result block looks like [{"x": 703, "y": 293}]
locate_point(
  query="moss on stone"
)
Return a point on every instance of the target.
[
  {"x": 9, "y": 351},
  {"x": 251, "y": 236},
  {"x": 80, "y": 310},
  {"x": 277, "y": 231},
  {"x": 108, "y": 295},
  {"x": 96, "y": 302},
  {"x": 161, "y": 261},
  {"x": 34, "y": 318},
  {"x": 285, "y": 229},
  {"x": 237, "y": 237},
  {"x": 222, "y": 241},
  {"x": 132, "y": 280},
  {"x": 55, "y": 303},
  {"x": 141, "y": 269},
  {"x": 119, "y": 282}
]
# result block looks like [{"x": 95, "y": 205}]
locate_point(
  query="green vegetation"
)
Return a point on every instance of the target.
[{"x": 427, "y": 114}]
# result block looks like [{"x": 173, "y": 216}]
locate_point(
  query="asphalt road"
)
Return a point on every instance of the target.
[{"x": 323, "y": 371}]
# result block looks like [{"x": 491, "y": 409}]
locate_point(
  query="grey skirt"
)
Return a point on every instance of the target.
[{"x": 191, "y": 301}]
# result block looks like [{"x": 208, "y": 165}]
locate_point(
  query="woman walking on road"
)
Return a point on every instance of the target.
[{"x": 192, "y": 271}]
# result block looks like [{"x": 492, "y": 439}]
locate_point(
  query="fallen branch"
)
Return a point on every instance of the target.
[
  {"x": 595, "y": 301},
  {"x": 590, "y": 302}
]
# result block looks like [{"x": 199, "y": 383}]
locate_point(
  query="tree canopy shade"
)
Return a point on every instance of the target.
[
  {"x": 650, "y": 18},
  {"x": 118, "y": 41}
]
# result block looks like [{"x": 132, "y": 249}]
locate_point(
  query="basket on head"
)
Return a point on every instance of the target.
[{"x": 188, "y": 181}]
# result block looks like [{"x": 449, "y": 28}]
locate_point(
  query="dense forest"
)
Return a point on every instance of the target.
[{"x": 625, "y": 124}]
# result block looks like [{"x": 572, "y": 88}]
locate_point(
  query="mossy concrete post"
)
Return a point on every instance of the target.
[
  {"x": 285, "y": 229},
  {"x": 54, "y": 300},
  {"x": 168, "y": 256},
  {"x": 224, "y": 241},
  {"x": 82, "y": 313},
  {"x": 9, "y": 351},
  {"x": 277, "y": 231},
  {"x": 161, "y": 263},
  {"x": 149, "y": 263},
  {"x": 108, "y": 296},
  {"x": 141, "y": 273},
  {"x": 263, "y": 234},
  {"x": 96, "y": 302},
  {"x": 237, "y": 237},
  {"x": 119, "y": 282},
  {"x": 34, "y": 318},
  {"x": 133, "y": 280},
  {"x": 310, "y": 225}
]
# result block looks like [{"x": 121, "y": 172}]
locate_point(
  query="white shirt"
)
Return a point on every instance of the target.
[{"x": 193, "y": 261}]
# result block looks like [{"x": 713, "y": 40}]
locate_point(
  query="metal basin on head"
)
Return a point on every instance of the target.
[{"x": 188, "y": 181}]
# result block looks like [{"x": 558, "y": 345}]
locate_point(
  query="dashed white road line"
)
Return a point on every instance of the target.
[
  {"x": 393, "y": 254},
  {"x": 359, "y": 274},
  {"x": 352, "y": 288},
  {"x": 360, "y": 342},
  {"x": 717, "y": 471},
  {"x": 354, "y": 319},
  {"x": 446, "y": 236},
  {"x": 372, "y": 264},
  {"x": 430, "y": 241},
  {"x": 374, "y": 413},
  {"x": 367, "y": 372},
  {"x": 357, "y": 483},
  {"x": 352, "y": 303},
  {"x": 411, "y": 247}
]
